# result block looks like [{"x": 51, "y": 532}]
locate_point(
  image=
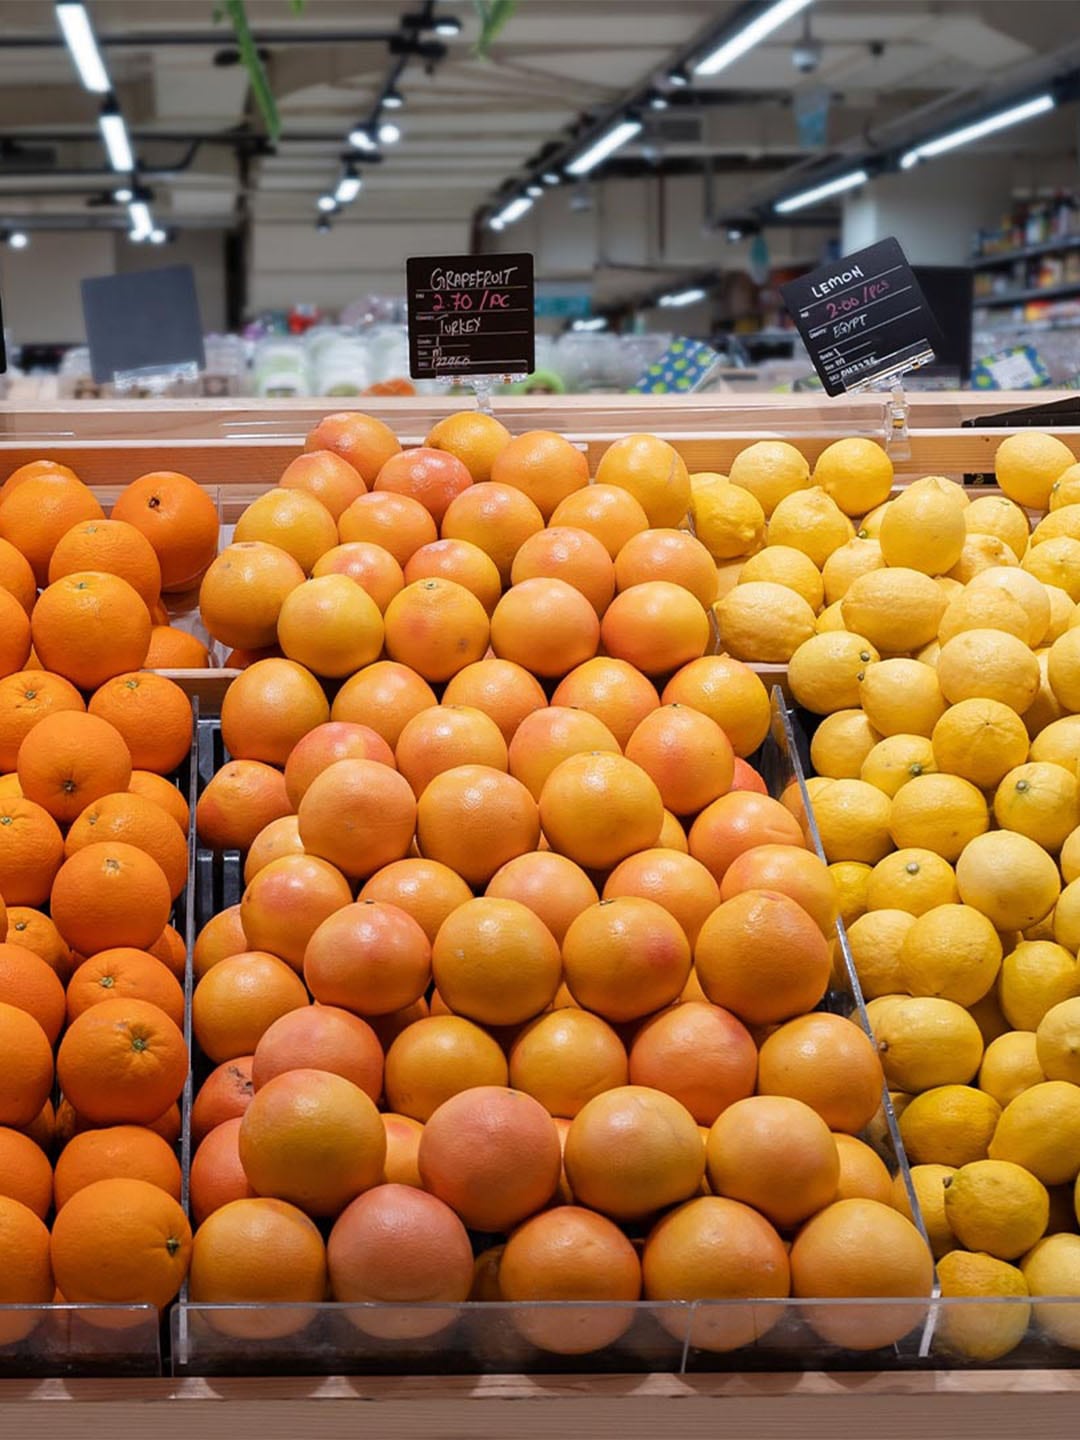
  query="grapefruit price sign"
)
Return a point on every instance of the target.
[{"x": 470, "y": 315}]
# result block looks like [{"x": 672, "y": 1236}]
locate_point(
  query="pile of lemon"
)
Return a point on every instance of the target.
[{"x": 939, "y": 637}]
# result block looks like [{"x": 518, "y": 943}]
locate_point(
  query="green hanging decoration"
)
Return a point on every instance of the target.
[
  {"x": 236, "y": 12},
  {"x": 493, "y": 16}
]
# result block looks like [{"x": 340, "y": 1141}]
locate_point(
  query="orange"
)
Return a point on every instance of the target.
[
  {"x": 384, "y": 696},
  {"x": 437, "y": 1057},
  {"x": 433, "y": 477},
  {"x": 239, "y": 998},
  {"x": 548, "y": 736},
  {"x": 791, "y": 871},
  {"x": 39, "y": 513},
  {"x": 607, "y": 512},
  {"x": 280, "y": 837},
  {"x": 312, "y": 1138},
  {"x": 673, "y": 555},
  {"x": 14, "y": 635},
  {"x": 735, "y": 824},
  {"x": 544, "y": 466},
  {"x": 861, "y": 1248},
  {"x": 28, "y": 983},
  {"x": 372, "y": 568},
  {"x": 389, "y": 1027},
  {"x": 89, "y": 627},
  {"x": 42, "y": 1129},
  {"x": 462, "y": 562},
  {"x": 27, "y": 1074},
  {"x": 657, "y": 627},
  {"x": 268, "y": 708},
  {"x": 113, "y": 546},
  {"x": 747, "y": 778},
  {"x": 699, "y": 1054},
  {"x": 359, "y": 815},
  {"x": 397, "y": 523},
  {"x": 327, "y": 476},
  {"x": 239, "y": 801},
  {"x": 402, "y": 1147},
  {"x": 677, "y": 881},
  {"x": 117, "y": 1152},
  {"x": 492, "y": 1155},
  {"x": 221, "y": 936},
  {"x": 26, "y": 698},
  {"x": 476, "y": 439},
  {"x": 286, "y": 902},
  {"x": 370, "y": 958},
  {"x": 570, "y": 1254},
  {"x": 612, "y": 690},
  {"x": 598, "y": 808},
  {"x": 496, "y": 962},
  {"x": 122, "y": 1061},
  {"x": 70, "y": 759},
  {"x": 109, "y": 894},
  {"x": 504, "y": 691},
  {"x": 633, "y": 1151},
  {"x": 497, "y": 518},
  {"x": 574, "y": 556},
  {"x": 331, "y": 625},
  {"x": 292, "y": 1267},
  {"x": 763, "y": 957},
  {"x": 324, "y": 746},
  {"x": 217, "y": 1176},
  {"x": 25, "y": 1173},
  {"x": 436, "y": 627},
  {"x": 30, "y": 471},
  {"x": 653, "y": 472},
  {"x": 136, "y": 821},
  {"x": 728, "y": 692},
  {"x": 828, "y": 1063},
  {"x": 366, "y": 443},
  {"x": 16, "y": 576},
  {"x": 625, "y": 958},
  {"x": 174, "y": 649},
  {"x": 294, "y": 521},
  {"x": 687, "y": 755},
  {"x": 424, "y": 889},
  {"x": 545, "y": 625},
  {"x": 31, "y": 852},
  {"x": 475, "y": 819},
  {"x": 124, "y": 973},
  {"x": 171, "y": 949},
  {"x": 717, "y": 1249},
  {"x": 445, "y": 736},
  {"x": 224, "y": 1095},
  {"x": 775, "y": 1154},
  {"x": 179, "y": 519},
  {"x": 321, "y": 1037},
  {"x": 863, "y": 1173},
  {"x": 27, "y": 1273},
  {"x": 565, "y": 1058},
  {"x": 243, "y": 590},
  {"x": 35, "y": 931}
]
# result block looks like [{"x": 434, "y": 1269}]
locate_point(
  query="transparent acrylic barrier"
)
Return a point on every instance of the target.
[{"x": 48, "y": 1340}]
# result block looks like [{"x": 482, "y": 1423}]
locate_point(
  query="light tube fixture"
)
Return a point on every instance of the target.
[
  {"x": 607, "y": 144},
  {"x": 509, "y": 213},
  {"x": 389, "y": 133},
  {"x": 80, "y": 40},
  {"x": 678, "y": 298},
  {"x": 393, "y": 99},
  {"x": 361, "y": 138},
  {"x": 18, "y": 240},
  {"x": 821, "y": 192},
  {"x": 737, "y": 45},
  {"x": 114, "y": 134},
  {"x": 142, "y": 225},
  {"x": 977, "y": 129},
  {"x": 348, "y": 187},
  {"x": 326, "y": 203}
]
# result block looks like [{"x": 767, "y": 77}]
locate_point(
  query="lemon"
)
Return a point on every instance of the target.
[
  {"x": 984, "y": 609},
  {"x": 1010, "y": 1065},
  {"x": 874, "y": 941},
  {"x": 841, "y": 744},
  {"x": 1028, "y": 463},
  {"x": 1040, "y": 1130},
  {"x": 997, "y": 1207},
  {"x": 991, "y": 665},
  {"x": 894, "y": 761},
  {"x": 949, "y": 587},
  {"x": 809, "y": 521},
  {"x": 988, "y": 1016},
  {"x": 1035, "y": 976},
  {"x": 844, "y": 566},
  {"x": 1042, "y": 929},
  {"x": 981, "y": 1332},
  {"x": 1062, "y": 612},
  {"x": 1002, "y": 518},
  {"x": 1066, "y": 488},
  {"x": 856, "y": 473},
  {"x": 853, "y": 822},
  {"x": 700, "y": 478},
  {"x": 1008, "y": 878},
  {"x": 784, "y": 565},
  {"x": 762, "y": 621},
  {"x": 727, "y": 520},
  {"x": 1066, "y": 918},
  {"x": 825, "y": 670},
  {"x": 728, "y": 573},
  {"x": 912, "y": 880},
  {"x": 1059, "y": 744},
  {"x": 1069, "y": 859},
  {"x": 1063, "y": 520},
  {"x": 850, "y": 878},
  {"x": 924, "y": 529},
  {"x": 1063, "y": 668},
  {"x": 901, "y": 697},
  {"x": 1039, "y": 800},
  {"x": 941, "y": 485},
  {"x": 876, "y": 1009},
  {"x": 928, "y": 654},
  {"x": 830, "y": 619},
  {"x": 980, "y": 552},
  {"x": 950, "y": 1125},
  {"x": 770, "y": 470},
  {"x": 870, "y": 525},
  {"x": 979, "y": 740},
  {"x": 897, "y": 610},
  {"x": 1026, "y": 590},
  {"x": 1045, "y": 708},
  {"x": 925, "y": 1042},
  {"x": 1056, "y": 562},
  {"x": 928, "y": 1182},
  {"x": 951, "y": 952},
  {"x": 940, "y": 813},
  {"x": 1057, "y": 1041},
  {"x": 1053, "y": 1269}
]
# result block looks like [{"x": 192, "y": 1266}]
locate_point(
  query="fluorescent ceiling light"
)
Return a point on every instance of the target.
[
  {"x": 361, "y": 138},
  {"x": 124, "y": 195},
  {"x": 157, "y": 236},
  {"x": 448, "y": 25},
  {"x": 1030, "y": 108},
  {"x": 18, "y": 240},
  {"x": 496, "y": 224},
  {"x": 389, "y": 133},
  {"x": 750, "y": 35},
  {"x": 658, "y": 101},
  {"x": 393, "y": 99},
  {"x": 79, "y": 38},
  {"x": 514, "y": 211},
  {"x": 821, "y": 192},
  {"x": 678, "y": 78},
  {"x": 326, "y": 203},
  {"x": 597, "y": 322},
  {"x": 608, "y": 143},
  {"x": 142, "y": 226},
  {"x": 678, "y": 298},
  {"x": 349, "y": 187},
  {"x": 535, "y": 191},
  {"x": 550, "y": 177},
  {"x": 114, "y": 133}
]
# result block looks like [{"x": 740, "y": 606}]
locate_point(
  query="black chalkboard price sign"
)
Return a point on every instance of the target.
[
  {"x": 470, "y": 315},
  {"x": 863, "y": 319}
]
